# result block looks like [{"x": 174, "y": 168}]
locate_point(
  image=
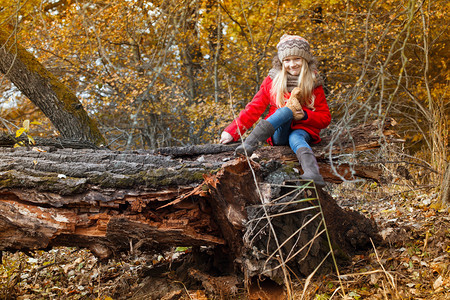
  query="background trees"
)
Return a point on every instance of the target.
[{"x": 164, "y": 73}]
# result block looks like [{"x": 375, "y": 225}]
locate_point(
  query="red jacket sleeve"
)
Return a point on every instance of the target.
[
  {"x": 252, "y": 111},
  {"x": 320, "y": 117}
]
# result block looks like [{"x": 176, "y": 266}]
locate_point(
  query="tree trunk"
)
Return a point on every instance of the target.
[
  {"x": 272, "y": 220},
  {"x": 112, "y": 202},
  {"x": 250, "y": 211},
  {"x": 52, "y": 97},
  {"x": 106, "y": 201},
  {"x": 445, "y": 192}
]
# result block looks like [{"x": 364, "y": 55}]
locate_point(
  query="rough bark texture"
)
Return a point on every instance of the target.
[
  {"x": 270, "y": 218},
  {"x": 445, "y": 193},
  {"x": 111, "y": 202},
  {"x": 52, "y": 97},
  {"x": 106, "y": 201}
]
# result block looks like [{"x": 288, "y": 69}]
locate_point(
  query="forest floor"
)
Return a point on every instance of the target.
[{"x": 412, "y": 263}]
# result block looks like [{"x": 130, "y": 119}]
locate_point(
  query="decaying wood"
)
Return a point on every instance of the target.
[
  {"x": 114, "y": 202},
  {"x": 119, "y": 201},
  {"x": 266, "y": 231},
  {"x": 102, "y": 200}
]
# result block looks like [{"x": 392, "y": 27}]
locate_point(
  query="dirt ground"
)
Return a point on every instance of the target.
[{"x": 413, "y": 262}]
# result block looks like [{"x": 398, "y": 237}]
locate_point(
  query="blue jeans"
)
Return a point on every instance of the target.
[{"x": 281, "y": 121}]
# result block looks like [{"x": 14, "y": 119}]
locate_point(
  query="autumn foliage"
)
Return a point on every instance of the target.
[
  {"x": 153, "y": 74},
  {"x": 166, "y": 73}
]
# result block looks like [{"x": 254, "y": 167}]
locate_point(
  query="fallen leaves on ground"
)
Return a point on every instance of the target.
[{"x": 412, "y": 263}]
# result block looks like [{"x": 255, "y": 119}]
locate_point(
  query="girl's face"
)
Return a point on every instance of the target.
[{"x": 293, "y": 64}]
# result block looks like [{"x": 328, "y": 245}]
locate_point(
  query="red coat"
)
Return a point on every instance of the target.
[{"x": 318, "y": 119}]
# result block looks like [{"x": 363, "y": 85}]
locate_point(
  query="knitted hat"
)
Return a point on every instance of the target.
[{"x": 294, "y": 45}]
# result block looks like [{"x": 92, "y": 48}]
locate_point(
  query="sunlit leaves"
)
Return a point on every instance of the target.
[
  {"x": 14, "y": 11},
  {"x": 170, "y": 72},
  {"x": 24, "y": 131}
]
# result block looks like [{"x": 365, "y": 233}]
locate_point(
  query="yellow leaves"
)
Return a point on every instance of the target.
[
  {"x": 416, "y": 138},
  {"x": 19, "y": 132},
  {"x": 111, "y": 52},
  {"x": 24, "y": 131},
  {"x": 11, "y": 10}
]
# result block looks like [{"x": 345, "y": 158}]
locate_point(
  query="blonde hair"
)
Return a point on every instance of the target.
[{"x": 306, "y": 82}]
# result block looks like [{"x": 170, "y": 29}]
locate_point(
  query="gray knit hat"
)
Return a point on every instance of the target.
[{"x": 294, "y": 45}]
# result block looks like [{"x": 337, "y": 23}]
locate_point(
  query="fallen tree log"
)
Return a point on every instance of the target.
[
  {"x": 101, "y": 200},
  {"x": 113, "y": 202},
  {"x": 270, "y": 218}
]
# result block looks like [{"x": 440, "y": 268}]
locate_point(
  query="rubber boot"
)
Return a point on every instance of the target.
[
  {"x": 262, "y": 132},
  {"x": 309, "y": 165}
]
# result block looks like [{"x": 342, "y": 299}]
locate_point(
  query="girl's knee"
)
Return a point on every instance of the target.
[
  {"x": 297, "y": 146},
  {"x": 298, "y": 139}
]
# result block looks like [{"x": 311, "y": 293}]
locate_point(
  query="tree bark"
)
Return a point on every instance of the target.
[
  {"x": 107, "y": 201},
  {"x": 113, "y": 202},
  {"x": 52, "y": 97},
  {"x": 445, "y": 192}
]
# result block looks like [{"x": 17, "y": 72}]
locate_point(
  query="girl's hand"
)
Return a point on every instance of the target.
[
  {"x": 299, "y": 114},
  {"x": 294, "y": 104},
  {"x": 225, "y": 138}
]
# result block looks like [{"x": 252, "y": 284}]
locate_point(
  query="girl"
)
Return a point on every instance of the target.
[{"x": 298, "y": 109}]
